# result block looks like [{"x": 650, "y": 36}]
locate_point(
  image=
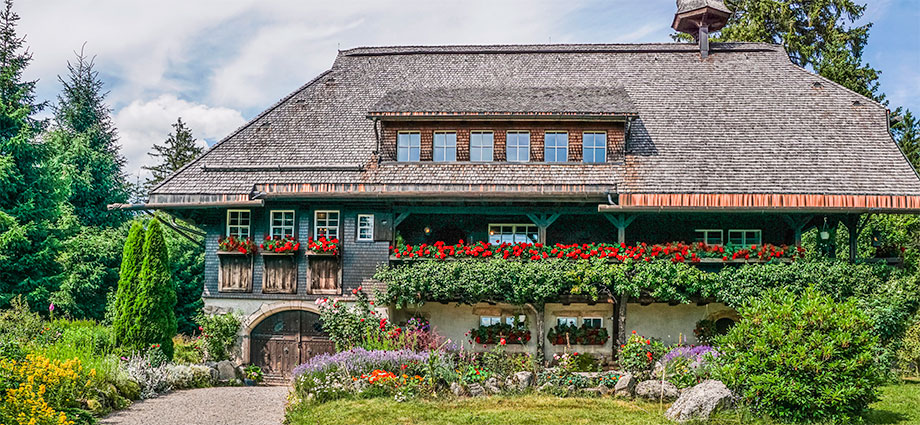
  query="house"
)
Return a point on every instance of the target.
[{"x": 723, "y": 143}]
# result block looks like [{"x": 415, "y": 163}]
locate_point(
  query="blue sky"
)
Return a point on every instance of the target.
[{"x": 218, "y": 63}]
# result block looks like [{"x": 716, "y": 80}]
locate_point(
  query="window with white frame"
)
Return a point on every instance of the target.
[
  {"x": 568, "y": 321},
  {"x": 518, "y": 146},
  {"x": 513, "y": 233},
  {"x": 365, "y": 227},
  {"x": 744, "y": 236},
  {"x": 489, "y": 320},
  {"x": 408, "y": 146},
  {"x": 556, "y": 146},
  {"x": 238, "y": 223},
  {"x": 481, "y": 146},
  {"x": 445, "y": 146},
  {"x": 326, "y": 224},
  {"x": 594, "y": 146},
  {"x": 709, "y": 236},
  {"x": 282, "y": 224},
  {"x": 593, "y": 322}
]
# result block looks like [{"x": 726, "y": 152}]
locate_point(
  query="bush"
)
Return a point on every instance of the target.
[
  {"x": 41, "y": 388},
  {"x": 152, "y": 379},
  {"x": 909, "y": 354},
  {"x": 218, "y": 335},
  {"x": 802, "y": 357},
  {"x": 183, "y": 377},
  {"x": 639, "y": 354},
  {"x": 132, "y": 259},
  {"x": 153, "y": 319},
  {"x": 187, "y": 350},
  {"x": 686, "y": 366}
]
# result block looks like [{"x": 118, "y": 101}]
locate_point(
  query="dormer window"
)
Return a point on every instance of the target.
[
  {"x": 556, "y": 146},
  {"x": 445, "y": 146},
  {"x": 481, "y": 143},
  {"x": 518, "y": 146},
  {"x": 594, "y": 146},
  {"x": 408, "y": 146}
]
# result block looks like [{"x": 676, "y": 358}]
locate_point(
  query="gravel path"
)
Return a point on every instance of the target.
[{"x": 208, "y": 406}]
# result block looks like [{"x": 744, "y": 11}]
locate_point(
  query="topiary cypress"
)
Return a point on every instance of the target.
[
  {"x": 154, "y": 317},
  {"x": 132, "y": 259}
]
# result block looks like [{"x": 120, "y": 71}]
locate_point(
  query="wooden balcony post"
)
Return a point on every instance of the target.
[
  {"x": 543, "y": 221},
  {"x": 621, "y": 221},
  {"x": 798, "y": 223}
]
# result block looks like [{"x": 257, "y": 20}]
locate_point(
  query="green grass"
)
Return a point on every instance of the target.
[{"x": 900, "y": 405}]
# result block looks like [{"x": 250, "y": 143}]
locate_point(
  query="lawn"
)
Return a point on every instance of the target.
[{"x": 899, "y": 404}]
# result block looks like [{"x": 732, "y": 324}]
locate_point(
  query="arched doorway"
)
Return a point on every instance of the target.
[{"x": 286, "y": 339}]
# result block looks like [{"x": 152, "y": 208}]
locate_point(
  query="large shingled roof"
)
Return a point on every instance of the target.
[{"x": 743, "y": 121}]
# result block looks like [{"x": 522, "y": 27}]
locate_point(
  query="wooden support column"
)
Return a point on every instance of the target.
[
  {"x": 621, "y": 221},
  {"x": 855, "y": 224},
  {"x": 399, "y": 219},
  {"x": 543, "y": 221},
  {"x": 798, "y": 223}
]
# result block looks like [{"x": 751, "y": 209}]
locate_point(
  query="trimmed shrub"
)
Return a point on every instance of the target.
[
  {"x": 909, "y": 354},
  {"x": 802, "y": 357},
  {"x": 153, "y": 316},
  {"x": 183, "y": 377},
  {"x": 131, "y": 261}
]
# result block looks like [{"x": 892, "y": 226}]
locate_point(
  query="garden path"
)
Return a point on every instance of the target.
[{"x": 208, "y": 406}]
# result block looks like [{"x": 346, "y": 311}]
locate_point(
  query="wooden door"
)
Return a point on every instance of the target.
[{"x": 284, "y": 340}]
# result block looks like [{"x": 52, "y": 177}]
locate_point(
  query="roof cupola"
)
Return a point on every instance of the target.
[{"x": 698, "y": 18}]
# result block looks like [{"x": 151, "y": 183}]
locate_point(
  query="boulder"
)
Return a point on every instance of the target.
[
  {"x": 625, "y": 386},
  {"x": 699, "y": 401},
  {"x": 600, "y": 390},
  {"x": 457, "y": 389},
  {"x": 476, "y": 390},
  {"x": 655, "y": 390},
  {"x": 226, "y": 371},
  {"x": 523, "y": 380},
  {"x": 493, "y": 385}
]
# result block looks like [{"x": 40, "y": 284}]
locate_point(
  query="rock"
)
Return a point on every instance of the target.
[
  {"x": 653, "y": 390},
  {"x": 545, "y": 387},
  {"x": 493, "y": 385},
  {"x": 215, "y": 374},
  {"x": 600, "y": 390},
  {"x": 523, "y": 380},
  {"x": 699, "y": 401},
  {"x": 226, "y": 371},
  {"x": 625, "y": 386},
  {"x": 476, "y": 390},
  {"x": 570, "y": 389},
  {"x": 457, "y": 389}
]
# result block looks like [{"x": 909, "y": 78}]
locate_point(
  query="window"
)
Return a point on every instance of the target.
[
  {"x": 365, "y": 227},
  {"x": 744, "y": 237},
  {"x": 556, "y": 145},
  {"x": 238, "y": 223},
  {"x": 489, "y": 320},
  {"x": 593, "y": 322},
  {"x": 572, "y": 321},
  {"x": 513, "y": 233},
  {"x": 516, "y": 321},
  {"x": 709, "y": 236},
  {"x": 594, "y": 146},
  {"x": 481, "y": 146},
  {"x": 518, "y": 146},
  {"x": 326, "y": 224},
  {"x": 282, "y": 225},
  {"x": 445, "y": 146},
  {"x": 408, "y": 146}
]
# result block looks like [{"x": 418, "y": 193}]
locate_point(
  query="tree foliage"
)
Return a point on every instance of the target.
[
  {"x": 128, "y": 282},
  {"x": 29, "y": 200},
  {"x": 180, "y": 149},
  {"x": 153, "y": 320},
  {"x": 86, "y": 146},
  {"x": 905, "y": 128}
]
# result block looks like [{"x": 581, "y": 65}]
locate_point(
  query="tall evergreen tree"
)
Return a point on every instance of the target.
[
  {"x": 86, "y": 146},
  {"x": 153, "y": 318},
  {"x": 905, "y": 129},
  {"x": 29, "y": 201},
  {"x": 180, "y": 149},
  {"x": 132, "y": 259}
]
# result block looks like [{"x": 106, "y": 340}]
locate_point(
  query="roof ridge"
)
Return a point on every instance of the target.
[
  {"x": 553, "y": 48},
  {"x": 241, "y": 128}
]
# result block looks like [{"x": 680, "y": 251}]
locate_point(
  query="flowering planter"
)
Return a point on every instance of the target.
[{"x": 327, "y": 254}]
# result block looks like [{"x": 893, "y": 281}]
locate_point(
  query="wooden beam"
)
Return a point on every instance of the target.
[
  {"x": 495, "y": 210},
  {"x": 543, "y": 221},
  {"x": 798, "y": 223},
  {"x": 621, "y": 221},
  {"x": 399, "y": 219}
]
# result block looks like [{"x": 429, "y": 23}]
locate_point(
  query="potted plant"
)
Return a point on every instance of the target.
[
  {"x": 235, "y": 245},
  {"x": 280, "y": 245},
  {"x": 252, "y": 375},
  {"x": 323, "y": 246}
]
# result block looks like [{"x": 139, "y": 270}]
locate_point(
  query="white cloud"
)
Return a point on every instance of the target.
[{"x": 143, "y": 123}]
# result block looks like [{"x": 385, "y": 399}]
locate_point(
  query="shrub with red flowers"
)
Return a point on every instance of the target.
[
  {"x": 573, "y": 335},
  {"x": 677, "y": 252},
  {"x": 496, "y": 333},
  {"x": 280, "y": 245},
  {"x": 235, "y": 244},
  {"x": 639, "y": 354},
  {"x": 323, "y": 245}
]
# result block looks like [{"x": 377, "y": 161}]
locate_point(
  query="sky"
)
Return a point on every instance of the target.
[{"x": 218, "y": 63}]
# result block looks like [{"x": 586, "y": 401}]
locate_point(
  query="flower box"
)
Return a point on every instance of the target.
[
  {"x": 493, "y": 334},
  {"x": 235, "y": 245},
  {"x": 571, "y": 334},
  {"x": 323, "y": 246},
  {"x": 279, "y": 245}
]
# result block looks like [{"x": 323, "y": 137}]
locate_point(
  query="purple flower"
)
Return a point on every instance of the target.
[
  {"x": 358, "y": 360},
  {"x": 51, "y": 307},
  {"x": 696, "y": 356}
]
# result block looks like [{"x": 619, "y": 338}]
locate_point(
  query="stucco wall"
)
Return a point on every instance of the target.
[{"x": 669, "y": 323}]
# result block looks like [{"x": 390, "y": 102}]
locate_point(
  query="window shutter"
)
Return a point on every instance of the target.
[{"x": 383, "y": 227}]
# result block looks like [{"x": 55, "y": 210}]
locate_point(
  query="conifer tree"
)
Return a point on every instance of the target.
[
  {"x": 153, "y": 316},
  {"x": 180, "y": 149},
  {"x": 86, "y": 146},
  {"x": 29, "y": 201},
  {"x": 131, "y": 261}
]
